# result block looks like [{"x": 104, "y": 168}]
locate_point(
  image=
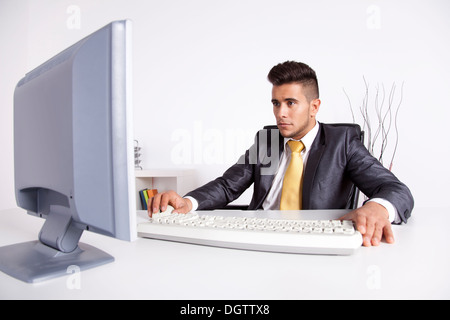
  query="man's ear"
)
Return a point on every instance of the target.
[{"x": 314, "y": 106}]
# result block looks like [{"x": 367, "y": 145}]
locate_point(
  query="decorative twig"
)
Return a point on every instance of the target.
[
  {"x": 384, "y": 118},
  {"x": 379, "y": 116},
  {"x": 396, "y": 128},
  {"x": 365, "y": 114}
]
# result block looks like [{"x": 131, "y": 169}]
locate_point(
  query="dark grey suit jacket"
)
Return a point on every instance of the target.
[{"x": 337, "y": 161}]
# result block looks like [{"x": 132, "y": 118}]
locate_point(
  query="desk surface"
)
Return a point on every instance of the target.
[{"x": 415, "y": 267}]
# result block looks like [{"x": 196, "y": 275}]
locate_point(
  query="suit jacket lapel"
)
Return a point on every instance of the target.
[
  {"x": 315, "y": 154},
  {"x": 266, "y": 180}
]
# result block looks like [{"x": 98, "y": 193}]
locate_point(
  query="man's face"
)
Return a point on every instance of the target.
[{"x": 295, "y": 115}]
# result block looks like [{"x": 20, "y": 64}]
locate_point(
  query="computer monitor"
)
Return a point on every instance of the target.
[{"x": 73, "y": 155}]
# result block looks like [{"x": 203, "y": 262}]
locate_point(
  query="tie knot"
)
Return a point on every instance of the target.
[{"x": 296, "y": 146}]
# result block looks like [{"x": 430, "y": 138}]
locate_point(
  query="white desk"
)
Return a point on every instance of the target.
[{"x": 417, "y": 266}]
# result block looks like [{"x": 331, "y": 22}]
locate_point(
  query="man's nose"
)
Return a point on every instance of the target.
[{"x": 283, "y": 111}]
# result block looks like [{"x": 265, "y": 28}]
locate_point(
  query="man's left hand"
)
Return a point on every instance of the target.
[{"x": 372, "y": 220}]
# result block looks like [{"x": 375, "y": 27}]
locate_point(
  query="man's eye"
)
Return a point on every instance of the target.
[{"x": 290, "y": 103}]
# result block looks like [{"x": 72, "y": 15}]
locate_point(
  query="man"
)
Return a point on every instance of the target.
[{"x": 328, "y": 160}]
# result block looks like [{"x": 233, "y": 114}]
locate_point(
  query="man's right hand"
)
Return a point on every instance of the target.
[{"x": 161, "y": 200}]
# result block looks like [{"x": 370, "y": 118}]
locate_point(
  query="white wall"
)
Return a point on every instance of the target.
[{"x": 200, "y": 73}]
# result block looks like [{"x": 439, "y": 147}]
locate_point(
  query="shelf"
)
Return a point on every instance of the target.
[
  {"x": 164, "y": 179},
  {"x": 163, "y": 173}
]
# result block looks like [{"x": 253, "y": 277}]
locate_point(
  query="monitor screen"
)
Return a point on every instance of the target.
[{"x": 73, "y": 154}]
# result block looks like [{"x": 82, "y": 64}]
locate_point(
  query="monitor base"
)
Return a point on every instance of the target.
[{"x": 34, "y": 262}]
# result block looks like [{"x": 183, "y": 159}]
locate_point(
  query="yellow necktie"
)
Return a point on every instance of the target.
[{"x": 291, "y": 193}]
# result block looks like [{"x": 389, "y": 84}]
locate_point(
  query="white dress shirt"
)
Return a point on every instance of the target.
[{"x": 272, "y": 201}]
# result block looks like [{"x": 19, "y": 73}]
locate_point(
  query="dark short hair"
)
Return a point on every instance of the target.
[{"x": 295, "y": 72}]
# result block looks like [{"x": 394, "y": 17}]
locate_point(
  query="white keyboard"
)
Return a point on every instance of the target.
[{"x": 275, "y": 235}]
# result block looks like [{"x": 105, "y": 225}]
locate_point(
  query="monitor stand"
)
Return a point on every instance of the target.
[
  {"x": 56, "y": 251},
  {"x": 34, "y": 262}
]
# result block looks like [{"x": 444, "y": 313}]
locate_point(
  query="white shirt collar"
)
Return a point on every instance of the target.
[{"x": 308, "y": 139}]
